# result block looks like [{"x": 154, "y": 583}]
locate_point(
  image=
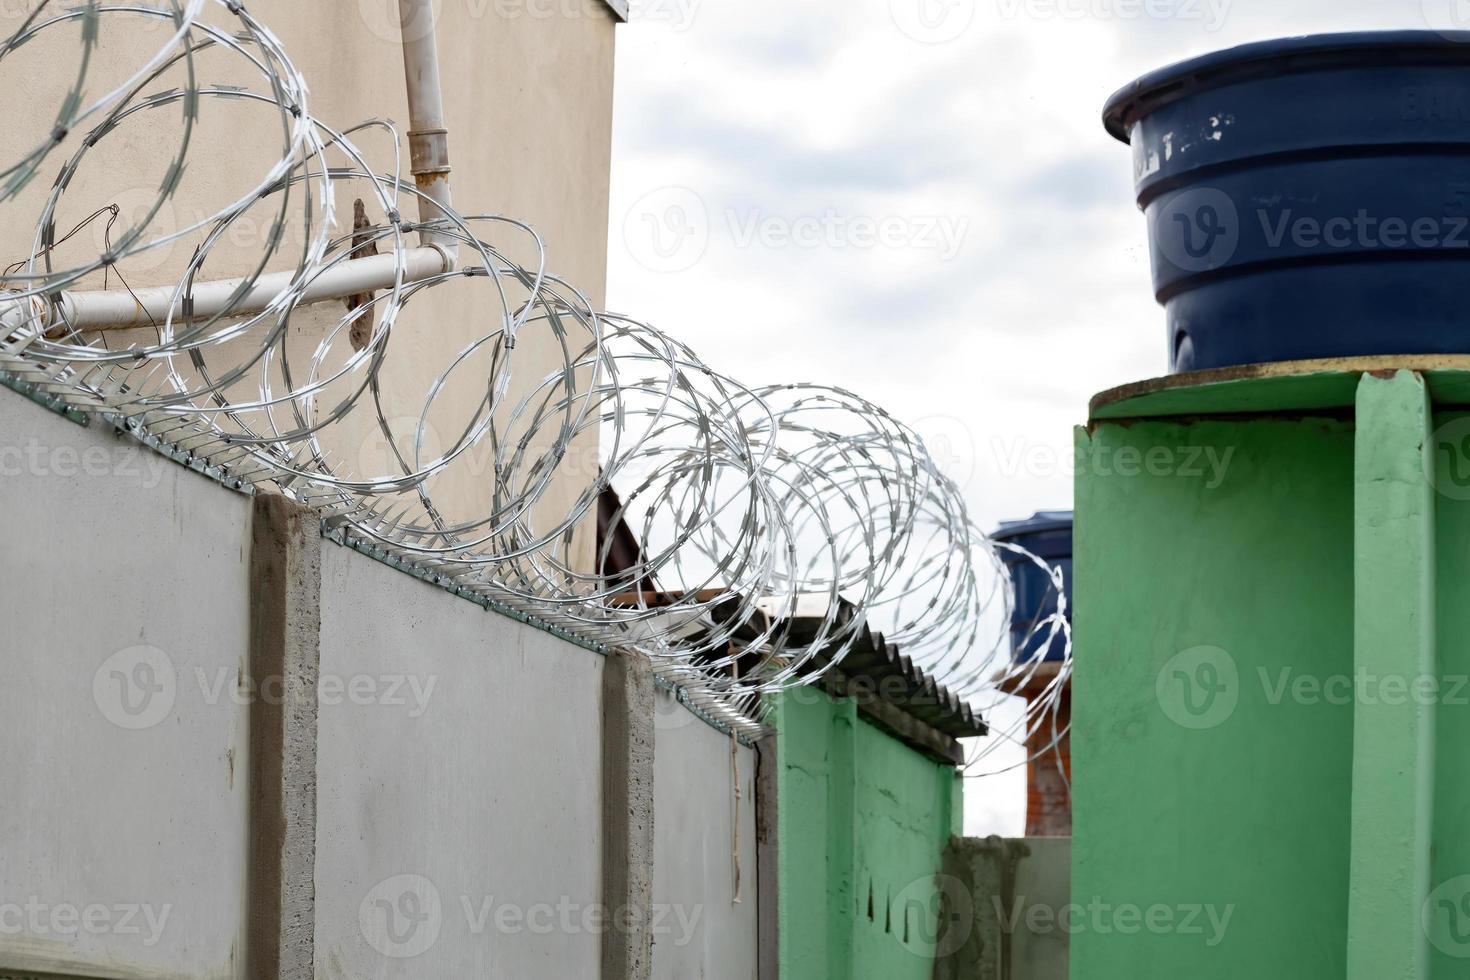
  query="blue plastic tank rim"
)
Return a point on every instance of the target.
[
  {"x": 1041, "y": 523},
  {"x": 1281, "y": 56}
]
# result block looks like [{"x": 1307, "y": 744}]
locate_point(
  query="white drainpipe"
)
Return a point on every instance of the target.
[
  {"x": 112, "y": 309},
  {"x": 428, "y": 139},
  {"x": 429, "y": 154}
]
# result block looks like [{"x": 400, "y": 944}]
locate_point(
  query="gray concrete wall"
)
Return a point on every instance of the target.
[
  {"x": 233, "y": 743},
  {"x": 459, "y": 830},
  {"x": 1008, "y": 909},
  {"x": 700, "y": 931},
  {"x": 124, "y": 581},
  {"x": 1043, "y": 881}
]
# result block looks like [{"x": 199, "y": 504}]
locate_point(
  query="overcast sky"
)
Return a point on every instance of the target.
[{"x": 915, "y": 199}]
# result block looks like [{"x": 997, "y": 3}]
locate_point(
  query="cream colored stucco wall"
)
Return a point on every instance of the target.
[{"x": 528, "y": 94}]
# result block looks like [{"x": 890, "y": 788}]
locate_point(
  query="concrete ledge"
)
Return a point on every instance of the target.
[{"x": 912, "y": 731}]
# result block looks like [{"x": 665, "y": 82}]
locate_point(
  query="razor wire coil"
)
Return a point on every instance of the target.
[{"x": 751, "y": 506}]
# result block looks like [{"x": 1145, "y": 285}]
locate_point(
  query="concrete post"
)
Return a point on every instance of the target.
[
  {"x": 768, "y": 863},
  {"x": 285, "y": 629},
  {"x": 627, "y": 816},
  {"x": 1393, "y": 738}
]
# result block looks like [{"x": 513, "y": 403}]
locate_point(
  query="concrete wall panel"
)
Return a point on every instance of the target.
[
  {"x": 124, "y": 590},
  {"x": 699, "y": 929},
  {"x": 458, "y": 789},
  {"x": 1043, "y": 878},
  {"x": 1009, "y": 909}
]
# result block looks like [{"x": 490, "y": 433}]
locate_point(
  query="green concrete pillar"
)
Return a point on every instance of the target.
[
  {"x": 1393, "y": 736},
  {"x": 815, "y": 764}
]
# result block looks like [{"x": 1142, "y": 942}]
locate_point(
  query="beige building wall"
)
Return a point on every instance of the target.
[{"x": 528, "y": 95}]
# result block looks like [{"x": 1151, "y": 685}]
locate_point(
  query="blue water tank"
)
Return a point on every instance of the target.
[
  {"x": 1047, "y": 535},
  {"x": 1307, "y": 198}
]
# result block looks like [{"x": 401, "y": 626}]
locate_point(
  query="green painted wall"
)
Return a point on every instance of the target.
[
  {"x": 1198, "y": 786},
  {"x": 1272, "y": 694},
  {"x": 1448, "y": 907},
  {"x": 863, "y": 822}
]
